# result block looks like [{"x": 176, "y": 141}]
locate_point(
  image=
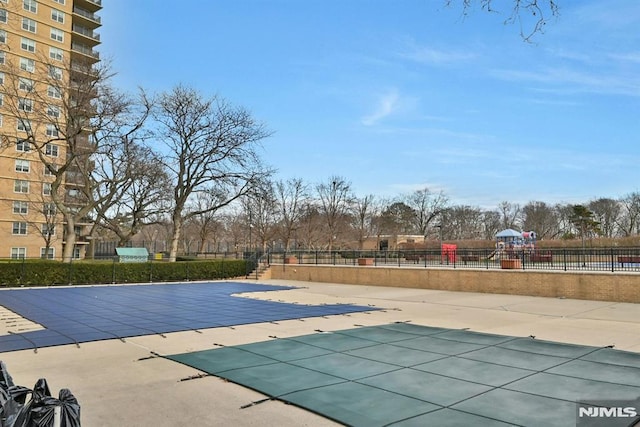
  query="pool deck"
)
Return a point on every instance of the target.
[{"x": 121, "y": 383}]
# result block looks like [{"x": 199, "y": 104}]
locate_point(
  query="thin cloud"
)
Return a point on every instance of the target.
[
  {"x": 386, "y": 105},
  {"x": 627, "y": 57},
  {"x": 576, "y": 81},
  {"x": 431, "y": 56}
]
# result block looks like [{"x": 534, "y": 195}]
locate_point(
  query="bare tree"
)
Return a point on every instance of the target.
[
  {"x": 426, "y": 206},
  {"x": 364, "y": 212},
  {"x": 335, "y": 199},
  {"x": 531, "y": 15},
  {"x": 462, "y": 222},
  {"x": 397, "y": 218},
  {"x": 76, "y": 118},
  {"x": 291, "y": 197},
  {"x": 209, "y": 146},
  {"x": 135, "y": 189},
  {"x": 312, "y": 230},
  {"x": 629, "y": 221},
  {"x": 490, "y": 224},
  {"x": 206, "y": 223},
  {"x": 564, "y": 213},
  {"x": 510, "y": 214},
  {"x": 260, "y": 208},
  {"x": 541, "y": 218},
  {"x": 607, "y": 212},
  {"x": 235, "y": 230}
]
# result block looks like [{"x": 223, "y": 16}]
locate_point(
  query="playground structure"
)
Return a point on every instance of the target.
[{"x": 511, "y": 244}]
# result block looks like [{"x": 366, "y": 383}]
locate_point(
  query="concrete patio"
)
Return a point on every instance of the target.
[{"x": 122, "y": 383}]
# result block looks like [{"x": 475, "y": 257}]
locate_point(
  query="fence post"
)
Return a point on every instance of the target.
[
  {"x": 113, "y": 271},
  {"x": 612, "y": 264},
  {"x": 564, "y": 259},
  {"x": 487, "y": 257},
  {"x": 150, "y": 270},
  {"x": 523, "y": 258}
]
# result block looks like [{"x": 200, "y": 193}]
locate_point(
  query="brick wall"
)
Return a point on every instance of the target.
[{"x": 617, "y": 287}]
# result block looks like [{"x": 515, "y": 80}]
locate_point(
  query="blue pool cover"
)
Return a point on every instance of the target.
[{"x": 73, "y": 315}]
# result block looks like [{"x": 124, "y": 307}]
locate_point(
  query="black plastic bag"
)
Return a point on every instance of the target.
[{"x": 41, "y": 410}]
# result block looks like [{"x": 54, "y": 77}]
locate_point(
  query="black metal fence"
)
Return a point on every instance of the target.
[{"x": 563, "y": 259}]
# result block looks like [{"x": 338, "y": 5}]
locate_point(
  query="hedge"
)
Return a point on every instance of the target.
[{"x": 47, "y": 273}]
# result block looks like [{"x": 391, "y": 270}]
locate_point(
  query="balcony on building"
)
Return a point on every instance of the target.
[
  {"x": 85, "y": 17},
  {"x": 84, "y": 35},
  {"x": 89, "y": 5},
  {"x": 86, "y": 51}
]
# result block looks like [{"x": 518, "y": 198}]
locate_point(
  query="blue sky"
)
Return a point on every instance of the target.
[{"x": 400, "y": 95}]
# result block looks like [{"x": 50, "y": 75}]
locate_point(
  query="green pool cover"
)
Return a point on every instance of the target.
[{"x": 408, "y": 375}]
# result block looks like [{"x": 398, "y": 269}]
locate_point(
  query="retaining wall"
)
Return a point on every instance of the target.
[{"x": 617, "y": 287}]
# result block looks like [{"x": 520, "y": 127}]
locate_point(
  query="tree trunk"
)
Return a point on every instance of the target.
[
  {"x": 175, "y": 238},
  {"x": 70, "y": 240}
]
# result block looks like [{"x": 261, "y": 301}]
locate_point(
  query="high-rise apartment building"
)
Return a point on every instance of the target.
[{"x": 47, "y": 47}]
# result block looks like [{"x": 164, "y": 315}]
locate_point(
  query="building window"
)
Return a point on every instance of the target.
[
  {"x": 29, "y": 25},
  {"x": 57, "y": 35},
  {"x": 1, "y": 78},
  {"x": 52, "y": 131},
  {"x": 21, "y": 208},
  {"x": 20, "y": 228},
  {"x": 25, "y": 84},
  {"x": 53, "y": 111},
  {"x": 18, "y": 253},
  {"x": 51, "y": 150},
  {"x": 25, "y": 104},
  {"x": 59, "y": 1},
  {"x": 49, "y": 209},
  {"x": 24, "y": 125},
  {"x": 28, "y": 44},
  {"x": 1, "y": 99},
  {"x": 21, "y": 186},
  {"x": 55, "y": 72},
  {"x": 3, "y": 36},
  {"x": 54, "y": 92},
  {"x": 57, "y": 15},
  {"x": 30, "y": 5},
  {"x": 4, "y": 16},
  {"x": 46, "y": 188},
  {"x": 56, "y": 53},
  {"x": 22, "y": 165},
  {"x": 28, "y": 65},
  {"x": 47, "y": 253},
  {"x": 23, "y": 145},
  {"x": 2, "y": 57},
  {"x": 1, "y": 120}
]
